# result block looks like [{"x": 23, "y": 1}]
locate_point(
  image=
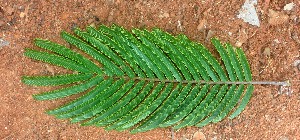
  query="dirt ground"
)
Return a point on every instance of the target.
[{"x": 272, "y": 49}]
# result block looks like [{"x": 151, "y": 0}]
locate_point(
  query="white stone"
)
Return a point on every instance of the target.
[
  {"x": 289, "y": 6},
  {"x": 248, "y": 13}
]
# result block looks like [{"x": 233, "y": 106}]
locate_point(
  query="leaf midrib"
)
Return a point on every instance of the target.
[{"x": 189, "y": 81}]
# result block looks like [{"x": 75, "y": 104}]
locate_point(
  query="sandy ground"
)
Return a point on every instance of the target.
[{"x": 272, "y": 49}]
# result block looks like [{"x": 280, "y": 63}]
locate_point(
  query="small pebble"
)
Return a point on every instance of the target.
[
  {"x": 283, "y": 138},
  {"x": 267, "y": 52},
  {"x": 9, "y": 11},
  {"x": 276, "y": 41},
  {"x": 243, "y": 37},
  {"x": 164, "y": 15},
  {"x": 110, "y": 18},
  {"x": 3, "y": 43},
  {"x": 289, "y": 6},
  {"x": 295, "y": 37},
  {"x": 49, "y": 69},
  {"x": 210, "y": 34},
  {"x": 93, "y": 25},
  {"x": 297, "y": 64},
  {"x": 277, "y": 18},
  {"x": 22, "y": 14},
  {"x": 65, "y": 16},
  {"x": 1, "y": 10},
  {"x": 199, "y": 136},
  {"x": 202, "y": 25},
  {"x": 1, "y": 23},
  {"x": 91, "y": 20}
]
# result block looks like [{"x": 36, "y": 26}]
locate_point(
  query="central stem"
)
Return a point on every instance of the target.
[{"x": 283, "y": 83}]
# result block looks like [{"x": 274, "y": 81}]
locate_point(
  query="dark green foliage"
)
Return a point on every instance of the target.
[{"x": 142, "y": 80}]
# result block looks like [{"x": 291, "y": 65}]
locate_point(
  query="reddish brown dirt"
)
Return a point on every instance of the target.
[{"x": 267, "y": 116}]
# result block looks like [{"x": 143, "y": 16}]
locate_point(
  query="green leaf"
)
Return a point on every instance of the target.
[
  {"x": 82, "y": 101},
  {"x": 133, "y": 104},
  {"x": 69, "y": 90},
  {"x": 244, "y": 102},
  {"x": 225, "y": 59},
  {"x": 55, "y": 60},
  {"x": 55, "y": 80},
  {"x": 142, "y": 79},
  {"x": 216, "y": 110},
  {"x": 68, "y": 53}
]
